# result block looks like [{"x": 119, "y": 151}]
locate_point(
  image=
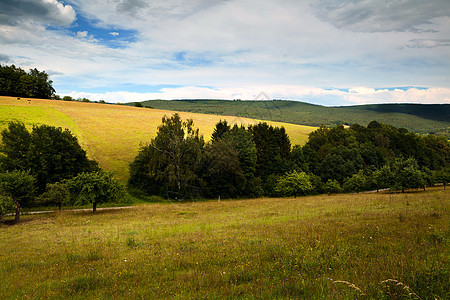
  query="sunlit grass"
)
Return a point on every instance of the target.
[
  {"x": 112, "y": 134},
  {"x": 261, "y": 248}
]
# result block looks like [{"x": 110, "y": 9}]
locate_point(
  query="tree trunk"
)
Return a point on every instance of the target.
[
  {"x": 94, "y": 207},
  {"x": 17, "y": 217}
]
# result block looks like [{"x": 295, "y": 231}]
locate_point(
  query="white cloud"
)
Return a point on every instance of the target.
[
  {"x": 357, "y": 95},
  {"x": 82, "y": 34},
  {"x": 239, "y": 47}
]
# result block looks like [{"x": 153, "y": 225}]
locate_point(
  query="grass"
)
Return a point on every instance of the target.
[
  {"x": 365, "y": 246},
  {"x": 112, "y": 134}
]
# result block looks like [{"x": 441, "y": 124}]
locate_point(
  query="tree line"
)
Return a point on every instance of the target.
[
  {"x": 47, "y": 166},
  {"x": 258, "y": 160},
  {"x": 16, "y": 82}
]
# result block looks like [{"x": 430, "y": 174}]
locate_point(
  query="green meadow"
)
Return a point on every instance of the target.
[
  {"x": 112, "y": 134},
  {"x": 362, "y": 246}
]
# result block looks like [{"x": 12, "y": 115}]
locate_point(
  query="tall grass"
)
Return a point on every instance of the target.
[{"x": 251, "y": 249}]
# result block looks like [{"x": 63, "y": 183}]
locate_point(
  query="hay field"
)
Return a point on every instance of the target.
[
  {"x": 317, "y": 247},
  {"x": 111, "y": 134}
]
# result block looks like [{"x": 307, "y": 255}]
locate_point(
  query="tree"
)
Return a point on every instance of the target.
[
  {"x": 443, "y": 176},
  {"x": 356, "y": 183},
  {"x": 223, "y": 175},
  {"x": 221, "y": 128},
  {"x": 16, "y": 82},
  {"x": 94, "y": 187},
  {"x": 55, "y": 194},
  {"x": 294, "y": 183},
  {"x": 6, "y": 205},
  {"x": 332, "y": 187},
  {"x": 407, "y": 174},
  {"x": 18, "y": 186},
  {"x": 51, "y": 154},
  {"x": 383, "y": 177},
  {"x": 15, "y": 147},
  {"x": 173, "y": 157}
]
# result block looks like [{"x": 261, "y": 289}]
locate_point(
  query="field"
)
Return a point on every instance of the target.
[
  {"x": 111, "y": 134},
  {"x": 320, "y": 247}
]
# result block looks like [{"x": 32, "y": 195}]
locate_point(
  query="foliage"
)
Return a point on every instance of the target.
[
  {"x": 18, "y": 186},
  {"x": 50, "y": 153},
  {"x": 16, "y": 82},
  {"x": 94, "y": 187},
  {"x": 407, "y": 174},
  {"x": 294, "y": 183},
  {"x": 356, "y": 183},
  {"x": 6, "y": 205},
  {"x": 223, "y": 175},
  {"x": 443, "y": 176},
  {"x": 15, "y": 147},
  {"x": 332, "y": 187},
  {"x": 55, "y": 194},
  {"x": 173, "y": 159},
  {"x": 273, "y": 149}
]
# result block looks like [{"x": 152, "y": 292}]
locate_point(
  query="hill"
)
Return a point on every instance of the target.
[
  {"x": 419, "y": 118},
  {"x": 111, "y": 134}
]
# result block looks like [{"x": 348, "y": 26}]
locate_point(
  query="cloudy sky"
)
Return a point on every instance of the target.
[{"x": 326, "y": 52}]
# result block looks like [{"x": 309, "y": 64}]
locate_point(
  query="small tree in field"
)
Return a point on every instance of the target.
[
  {"x": 55, "y": 194},
  {"x": 18, "y": 186},
  {"x": 6, "y": 205},
  {"x": 332, "y": 187},
  {"x": 95, "y": 187},
  {"x": 293, "y": 184}
]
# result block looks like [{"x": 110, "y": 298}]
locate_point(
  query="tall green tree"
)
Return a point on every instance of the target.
[
  {"x": 95, "y": 188},
  {"x": 223, "y": 176},
  {"x": 15, "y": 146},
  {"x": 49, "y": 153},
  {"x": 174, "y": 157},
  {"x": 18, "y": 186},
  {"x": 407, "y": 174}
]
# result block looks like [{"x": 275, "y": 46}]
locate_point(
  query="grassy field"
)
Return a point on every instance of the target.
[
  {"x": 111, "y": 134},
  {"x": 294, "y": 248}
]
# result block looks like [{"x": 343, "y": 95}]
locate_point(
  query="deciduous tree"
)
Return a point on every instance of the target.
[{"x": 18, "y": 186}]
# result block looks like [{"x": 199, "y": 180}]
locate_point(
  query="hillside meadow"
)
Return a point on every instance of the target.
[
  {"x": 112, "y": 134},
  {"x": 362, "y": 246}
]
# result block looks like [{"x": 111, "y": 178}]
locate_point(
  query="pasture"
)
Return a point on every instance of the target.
[
  {"x": 112, "y": 134},
  {"x": 319, "y": 247}
]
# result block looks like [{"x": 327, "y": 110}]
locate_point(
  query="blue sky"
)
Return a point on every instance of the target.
[{"x": 326, "y": 52}]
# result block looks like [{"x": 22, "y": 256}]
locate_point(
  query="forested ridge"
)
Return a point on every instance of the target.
[{"x": 418, "y": 118}]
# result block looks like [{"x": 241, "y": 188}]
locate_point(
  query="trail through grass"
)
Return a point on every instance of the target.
[{"x": 253, "y": 249}]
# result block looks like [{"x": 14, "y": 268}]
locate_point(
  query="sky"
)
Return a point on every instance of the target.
[{"x": 325, "y": 52}]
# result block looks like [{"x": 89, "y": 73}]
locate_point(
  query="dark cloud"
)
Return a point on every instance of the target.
[
  {"x": 380, "y": 15},
  {"x": 131, "y": 7},
  {"x": 4, "y": 58},
  {"x": 12, "y": 12},
  {"x": 428, "y": 43}
]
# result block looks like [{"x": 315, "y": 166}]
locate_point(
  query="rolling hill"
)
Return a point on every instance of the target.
[
  {"x": 419, "y": 118},
  {"x": 112, "y": 134}
]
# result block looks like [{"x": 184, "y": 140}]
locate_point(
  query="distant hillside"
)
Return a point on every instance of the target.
[
  {"x": 112, "y": 134},
  {"x": 419, "y": 118}
]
